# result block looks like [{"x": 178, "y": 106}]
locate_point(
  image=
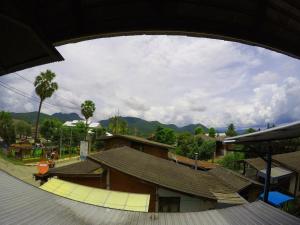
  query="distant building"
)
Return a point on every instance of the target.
[
  {"x": 284, "y": 172},
  {"x": 74, "y": 122},
  {"x": 138, "y": 143}
]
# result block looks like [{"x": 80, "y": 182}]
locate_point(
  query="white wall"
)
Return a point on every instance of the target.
[{"x": 188, "y": 203}]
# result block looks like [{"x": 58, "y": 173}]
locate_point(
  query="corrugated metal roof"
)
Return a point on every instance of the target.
[
  {"x": 287, "y": 131},
  {"x": 98, "y": 196},
  {"x": 21, "y": 203}
]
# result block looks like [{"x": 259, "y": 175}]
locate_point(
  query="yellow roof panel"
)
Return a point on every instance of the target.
[{"x": 97, "y": 196}]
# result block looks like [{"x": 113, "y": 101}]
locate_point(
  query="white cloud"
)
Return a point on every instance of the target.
[{"x": 169, "y": 78}]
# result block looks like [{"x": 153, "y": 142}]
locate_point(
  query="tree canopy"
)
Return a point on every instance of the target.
[
  {"x": 117, "y": 125},
  {"x": 211, "y": 132},
  {"x": 231, "y": 130},
  {"x": 165, "y": 135},
  {"x": 87, "y": 109},
  {"x": 44, "y": 88},
  {"x": 22, "y": 128},
  {"x": 199, "y": 130},
  {"x": 7, "y": 129}
]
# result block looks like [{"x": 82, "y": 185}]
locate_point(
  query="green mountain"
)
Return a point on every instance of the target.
[
  {"x": 145, "y": 128},
  {"x": 30, "y": 117}
]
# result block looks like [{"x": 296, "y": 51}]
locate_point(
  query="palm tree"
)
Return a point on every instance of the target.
[
  {"x": 44, "y": 88},
  {"x": 87, "y": 110}
]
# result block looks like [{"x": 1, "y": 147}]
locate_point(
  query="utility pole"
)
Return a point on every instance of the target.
[
  {"x": 196, "y": 160},
  {"x": 60, "y": 143}
]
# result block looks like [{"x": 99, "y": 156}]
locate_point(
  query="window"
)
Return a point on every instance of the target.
[{"x": 169, "y": 204}]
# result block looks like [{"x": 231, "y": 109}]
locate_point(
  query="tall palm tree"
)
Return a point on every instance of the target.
[
  {"x": 87, "y": 110},
  {"x": 44, "y": 88}
]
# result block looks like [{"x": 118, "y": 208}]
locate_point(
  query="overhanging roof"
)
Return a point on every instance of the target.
[
  {"x": 21, "y": 203},
  {"x": 273, "y": 24},
  {"x": 287, "y": 131}
]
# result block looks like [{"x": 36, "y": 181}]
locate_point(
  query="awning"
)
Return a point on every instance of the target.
[
  {"x": 288, "y": 131},
  {"x": 277, "y": 199},
  {"x": 97, "y": 196},
  {"x": 276, "y": 173}
]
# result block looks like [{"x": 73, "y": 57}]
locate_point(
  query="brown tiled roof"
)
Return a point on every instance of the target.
[
  {"x": 162, "y": 172},
  {"x": 191, "y": 162},
  {"x": 289, "y": 160},
  {"x": 138, "y": 139},
  {"x": 87, "y": 168},
  {"x": 235, "y": 180}
]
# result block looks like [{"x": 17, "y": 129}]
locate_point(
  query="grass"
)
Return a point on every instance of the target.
[{"x": 10, "y": 159}]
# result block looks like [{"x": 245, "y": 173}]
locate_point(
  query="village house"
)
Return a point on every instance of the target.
[
  {"x": 88, "y": 173},
  {"x": 248, "y": 188},
  {"x": 172, "y": 187},
  {"x": 138, "y": 143},
  {"x": 284, "y": 172}
]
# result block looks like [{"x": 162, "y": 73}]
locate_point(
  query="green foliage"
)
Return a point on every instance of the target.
[
  {"x": 188, "y": 145},
  {"x": 7, "y": 129},
  {"x": 230, "y": 160},
  {"x": 165, "y": 135},
  {"x": 117, "y": 125},
  {"x": 50, "y": 128},
  {"x": 231, "y": 130},
  {"x": 44, "y": 88},
  {"x": 22, "y": 128},
  {"x": 44, "y": 85},
  {"x": 199, "y": 130},
  {"x": 87, "y": 109},
  {"x": 211, "y": 132},
  {"x": 207, "y": 149},
  {"x": 250, "y": 130}
]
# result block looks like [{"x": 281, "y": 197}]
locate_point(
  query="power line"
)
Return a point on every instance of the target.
[
  {"x": 31, "y": 82},
  {"x": 17, "y": 91}
]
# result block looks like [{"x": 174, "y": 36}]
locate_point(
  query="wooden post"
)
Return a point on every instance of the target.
[
  {"x": 296, "y": 184},
  {"x": 268, "y": 174}
]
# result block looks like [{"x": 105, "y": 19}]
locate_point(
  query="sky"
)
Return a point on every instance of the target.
[{"x": 171, "y": 79}]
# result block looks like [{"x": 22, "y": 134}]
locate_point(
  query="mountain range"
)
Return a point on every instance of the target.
[{"x": 135, "y": 125}]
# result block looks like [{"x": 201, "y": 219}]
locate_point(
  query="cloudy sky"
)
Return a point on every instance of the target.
[{"x": 171, "y": 79}]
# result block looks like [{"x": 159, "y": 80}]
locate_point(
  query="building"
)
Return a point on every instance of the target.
[
  {"x": 246, "y": 187},
  {"x": 172, "y": 187},
  {"x": 284, "y": 172},
  {"x": 88, "y": 173},
  {"x": 74, "y": 122},
  {"x": 138, "y": 143}
]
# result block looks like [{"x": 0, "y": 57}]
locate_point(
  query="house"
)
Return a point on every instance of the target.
[
  {"x": 202, "y": 165},
  {"x": 86, "y": 173},
  {"x": 74, "y": 122},
  {"x": 246, "y": 187},
  {"x": 284, "y": 172},
  {"x": 172, "y": 187},
  {"x": 138, "y": 143}
]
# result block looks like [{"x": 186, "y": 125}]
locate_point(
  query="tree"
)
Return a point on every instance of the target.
[
  {"x": 199, "y": 130},
  {"x": 50, "y": 128},
  {"x": 7, "y": 129},
  {"x": 231, "y": 130},
  {"x": 44, "y": 88},
  {"x": 230, "y": 160},
  {"x": 22, "y": 128},
  {"x": 250, "y": 130},
  {"x": 211, "y": 132},
  {"x": 165, "y": 135},
  {"x": 87, "y": 110},
  {"x": 207, "y": 149},
  {"x": 117, "y": 125}
]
